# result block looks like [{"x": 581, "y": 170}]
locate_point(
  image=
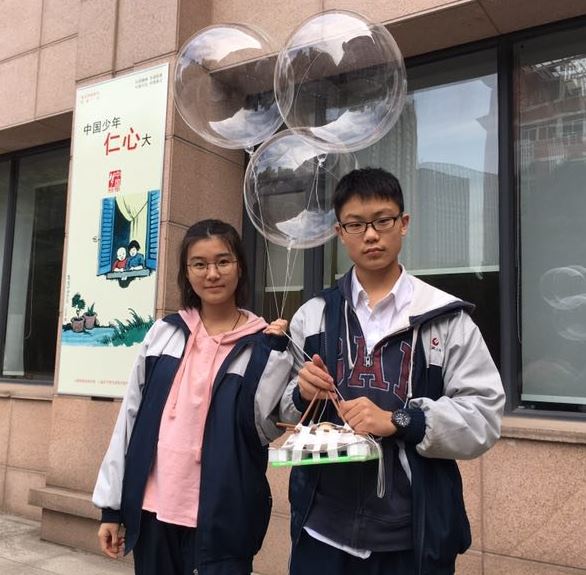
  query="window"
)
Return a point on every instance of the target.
[
  {"x": 471, "y": 171},
  {"x": 444, "y": 151},
  {"x": 33, "y": 191},
  {"x": 124, "y": 219},
  {"x": 550, "y": 81}
]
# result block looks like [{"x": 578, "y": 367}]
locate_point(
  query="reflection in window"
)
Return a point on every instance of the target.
[
  {"x": 551, "y": 171},
  {"x": 35, "y": 276},
  {"x": 444, "y": 151}
]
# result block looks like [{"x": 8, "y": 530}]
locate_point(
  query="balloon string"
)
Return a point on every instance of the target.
[
  {"x": 313, "y": 190},
  {"x": 289, "y": 271},
  {"x": 309, "y": 358},
  {"x": 315, "y": 186},
  {"x": 270, "y": 268},
  {"x": 320, "y": 162},
  {"x": 262, "y": 223},
  {"x": 290, "y": 267},
  {"x": 286, "y": 286}
]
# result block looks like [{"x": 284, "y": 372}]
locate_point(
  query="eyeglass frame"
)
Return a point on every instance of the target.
[
  {"x": 202, "y": 271},
  {"x": 364, "y": 225}
]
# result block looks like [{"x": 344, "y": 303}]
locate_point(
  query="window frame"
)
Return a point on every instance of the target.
[{"x": 14, "y": 159}]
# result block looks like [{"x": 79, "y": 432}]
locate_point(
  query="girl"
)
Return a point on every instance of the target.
[{"x": 185, "y": 469}]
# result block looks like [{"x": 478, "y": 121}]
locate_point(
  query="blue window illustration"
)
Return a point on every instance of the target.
[{"x": 129, "y": 236}]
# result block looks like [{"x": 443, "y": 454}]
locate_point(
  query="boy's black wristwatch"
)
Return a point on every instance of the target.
[{"x": 401, "y": 420}]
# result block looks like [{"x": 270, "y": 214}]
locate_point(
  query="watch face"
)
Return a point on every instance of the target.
[{"x": 401, "y": 418}]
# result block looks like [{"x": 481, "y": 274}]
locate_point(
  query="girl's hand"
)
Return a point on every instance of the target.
[
  {"x": 277, "y": 327},
  {"x": 111, "y": 541}
]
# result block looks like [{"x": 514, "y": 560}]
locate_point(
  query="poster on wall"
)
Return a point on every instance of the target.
[{"x": 112, "y": 242}]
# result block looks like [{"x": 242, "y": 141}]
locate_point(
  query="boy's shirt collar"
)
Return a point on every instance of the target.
[{"x": 402, "y": 291}]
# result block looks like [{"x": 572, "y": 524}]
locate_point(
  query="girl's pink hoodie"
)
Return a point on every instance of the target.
[{"x": 172, "y": 490}]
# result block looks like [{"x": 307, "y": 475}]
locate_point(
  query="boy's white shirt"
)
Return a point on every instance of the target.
[{"x": 388, "y": 313}]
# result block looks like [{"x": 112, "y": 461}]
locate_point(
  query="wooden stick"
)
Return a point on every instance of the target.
[
  {"x": 334, "y": 399},
  {"x": 286, "y": 425},
  {"x": 308, "y": 410}
]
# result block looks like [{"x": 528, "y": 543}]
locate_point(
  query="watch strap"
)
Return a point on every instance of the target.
[{"x": 415, "y": 431}]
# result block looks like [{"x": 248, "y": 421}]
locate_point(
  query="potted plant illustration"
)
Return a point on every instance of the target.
[
  {"x": 77, "y": 322},
  {"x": 90, "y": 317}
]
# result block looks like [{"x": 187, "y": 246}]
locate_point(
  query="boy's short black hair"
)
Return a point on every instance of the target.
[
  {"x": 204, "y": 230},
  {"x": 134, "y": 244},
  {"x": 367, "y": 183}
]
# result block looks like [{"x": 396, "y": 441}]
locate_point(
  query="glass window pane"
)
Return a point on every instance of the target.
[
  {"x": 551, "y": 171},
  {"x": 35, "y": 280},
  {"x": 4, "y": 189},
  {"x": 444, "y": 150}
]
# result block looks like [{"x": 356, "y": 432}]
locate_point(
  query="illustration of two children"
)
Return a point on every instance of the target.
[{"x": 128, "y": 258}]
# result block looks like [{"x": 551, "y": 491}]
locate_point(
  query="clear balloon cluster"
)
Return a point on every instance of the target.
[{"x": 338, "y": 84}]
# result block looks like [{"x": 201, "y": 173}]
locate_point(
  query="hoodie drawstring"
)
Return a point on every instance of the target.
[
  {"x": 179, "y": 376},
  {"x": 348, "y": 348},
  {"x": 411, "y": 359}
]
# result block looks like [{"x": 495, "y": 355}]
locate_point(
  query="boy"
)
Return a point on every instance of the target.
[
  {"x": 414, "y": 370},
  {"x": 119, "y": 264}
]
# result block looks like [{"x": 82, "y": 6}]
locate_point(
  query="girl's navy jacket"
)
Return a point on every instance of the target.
[{"x": 235, "y": 505}]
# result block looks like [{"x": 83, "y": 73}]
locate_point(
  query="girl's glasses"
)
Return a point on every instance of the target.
[{"x": 224, "y": 266}]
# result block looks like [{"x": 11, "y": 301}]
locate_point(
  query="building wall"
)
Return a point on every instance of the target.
[
  {"x": 25, "y": 431},
  {"x": 526, "y": 497}
]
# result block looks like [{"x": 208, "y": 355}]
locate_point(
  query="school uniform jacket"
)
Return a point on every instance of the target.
[
  {"x": 451, "y": 389},
  {"x": 235, "y": 505}
]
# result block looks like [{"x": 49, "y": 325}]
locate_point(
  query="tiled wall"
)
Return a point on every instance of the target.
[
  {"x": 25, "y": 426},
  {"x": 526, "y": 501}
]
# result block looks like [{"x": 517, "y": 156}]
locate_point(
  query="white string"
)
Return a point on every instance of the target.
[
  {"x": 262, "y": 223},
  {"x": 289, "y": 270},
  {"x": 412, "y": 357},
  {"x": 290, "y": 267},
  {"x": 380, "y": 483},
  {"x": 320, "y": 162}
]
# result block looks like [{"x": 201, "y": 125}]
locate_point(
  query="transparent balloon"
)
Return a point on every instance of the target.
[
  {"x": 571, "y": 324},
  {"x": 564, "y": 288},
  {"x": 224, "y": 85},
  {"x": 343, "y": 78},
  {"x": 288, "y": 190}
]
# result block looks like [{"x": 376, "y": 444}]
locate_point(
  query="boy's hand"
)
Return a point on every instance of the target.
[
  {"x": 277, "y": 327},
  {"x": 111, "y": 541},
  {"x": 313, "y": 377},
  {"x": 364, "y": 416}
]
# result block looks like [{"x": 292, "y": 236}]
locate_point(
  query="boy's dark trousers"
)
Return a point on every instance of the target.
[{"x": 312, "y": 557}]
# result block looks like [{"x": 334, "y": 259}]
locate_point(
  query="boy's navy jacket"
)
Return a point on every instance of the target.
[
  {"x": 454, "y": 395},
  {"x": 235, "y": 506}
]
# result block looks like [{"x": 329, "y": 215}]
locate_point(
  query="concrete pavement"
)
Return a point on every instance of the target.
[{"x": 23, "y": 553}]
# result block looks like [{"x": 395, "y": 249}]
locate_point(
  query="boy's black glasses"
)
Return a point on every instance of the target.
[{"x": 379, "y": 225}]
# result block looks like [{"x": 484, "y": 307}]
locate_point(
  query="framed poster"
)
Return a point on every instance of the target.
[{"x": 112, "y": 240}]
